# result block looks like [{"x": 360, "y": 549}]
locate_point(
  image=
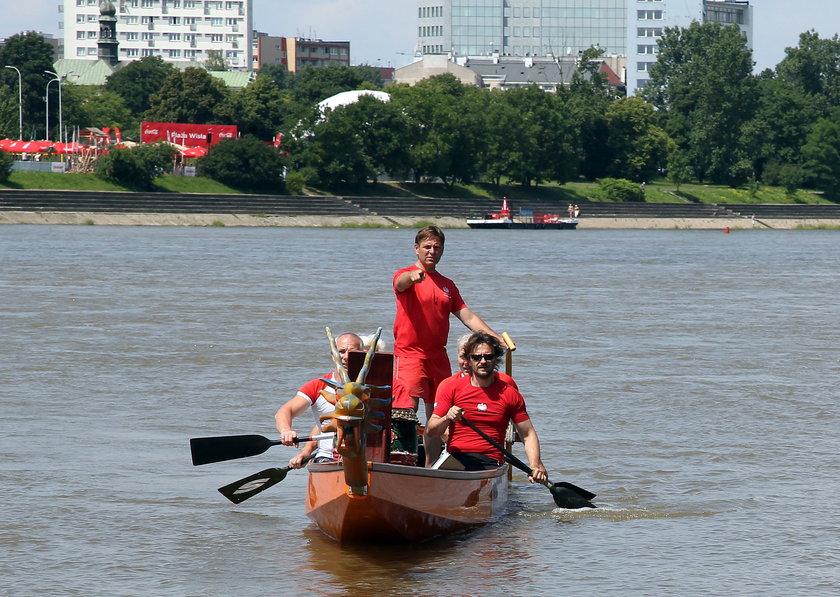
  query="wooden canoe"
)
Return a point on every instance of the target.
[{"x": 403, "y": 503}]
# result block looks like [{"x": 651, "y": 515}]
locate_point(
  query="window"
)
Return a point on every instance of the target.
[
  {"x": 647, "y": 49},
  {"x": 80, "y": 35},
  {"x": 216, "y": 21},
  {"x": 131, "y": 36},
  {"x": 80, "y": 18},
  {"x": 81, "y": 51},
  {"x": 174, "y": 37},
  {"x": 649, "y": 15},
  {"x": 92, "y": 18},
  {"x": 174, "y": 53},
  {"x": 92, "y": 35}
]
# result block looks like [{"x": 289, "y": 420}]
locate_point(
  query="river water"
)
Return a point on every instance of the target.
[{"x": 689, "y": 378}]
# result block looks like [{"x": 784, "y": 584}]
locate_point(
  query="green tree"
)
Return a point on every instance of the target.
[
  {"x": 821, "y": 155},
  {"x": 136, "y": 167},
  {"x": 532, "y": 137},
  {"x": 782, "y": 121},
  {"x": 32, "y": 55},
  {"x": 444, "y": 128},
  {"x": 637, "y": 147},
  {"x": 259, "y": 109},
  {"x": 192, "y": 96},
  {"x": 814, "y": 67},
  {"x": 9, "y": 113},
  {"x": 245, "y": 163},
  {"x": 679, "y": 167},
  {"x": 92, "y": 106},
  {"x": 315, "y": 83},
  {"x": 6, "y": 163},
  {"x": 138, "y": 81},
  {"x": 702, "y": 85},
  {"x": 216, "y": 61}
]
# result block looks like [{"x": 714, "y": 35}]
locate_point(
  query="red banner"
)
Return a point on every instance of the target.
[{"x": 191, "y": 135}]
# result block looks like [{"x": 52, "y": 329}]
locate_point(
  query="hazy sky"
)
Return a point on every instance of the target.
[{"x": 383, "y": 32}]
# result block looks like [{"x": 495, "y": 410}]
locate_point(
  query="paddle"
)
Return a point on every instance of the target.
[
  {"x": 565, "y": 494},
  {"x": 241, "y": 490},
  {"x": 216, "y": 449}
]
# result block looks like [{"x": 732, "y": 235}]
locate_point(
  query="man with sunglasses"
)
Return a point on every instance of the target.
[
  {"x": 489, "y": 403},
  {"x": 425, "y": 299}
]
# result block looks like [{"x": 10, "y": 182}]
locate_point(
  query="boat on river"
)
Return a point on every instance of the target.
[
  {"x": 377, "y": 492},
  {"x": 377, "y": 489},
  {"x": 527, "y": 219}
]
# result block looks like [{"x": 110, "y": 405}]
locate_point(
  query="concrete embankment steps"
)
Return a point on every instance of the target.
[{"x": 306, "y": 205}]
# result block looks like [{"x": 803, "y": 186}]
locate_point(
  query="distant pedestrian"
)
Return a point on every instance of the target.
[
  {"x": 642, "y": 186},
  {"x": 576, "y": 210}
]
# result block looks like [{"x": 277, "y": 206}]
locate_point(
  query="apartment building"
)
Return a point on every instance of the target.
[
  {"x": 296, "y": 53},
  {"x": 564, "y": 28},
  {"x": 174, "y": 30}
]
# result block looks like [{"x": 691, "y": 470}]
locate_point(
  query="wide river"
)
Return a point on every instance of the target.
[{"x": 689, "y": 378}]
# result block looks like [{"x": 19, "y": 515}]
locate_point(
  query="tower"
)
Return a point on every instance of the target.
[{"x": 107, "y": 41}]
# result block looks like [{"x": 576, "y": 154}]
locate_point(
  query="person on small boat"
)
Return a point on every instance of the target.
[
  {"x": 425, "y": 298},
  {"x": 433, "y": 448},
  {"x": 489, "y": 403},
  {"x": 312, "y": 395}
]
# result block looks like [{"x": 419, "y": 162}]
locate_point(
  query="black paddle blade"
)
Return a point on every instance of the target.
[
  {"x": 587, "y": 495},
  {"x": 241, "y": 490},
  {"x": 568, "y": 498},
  {"x": 217, "y": 449}
]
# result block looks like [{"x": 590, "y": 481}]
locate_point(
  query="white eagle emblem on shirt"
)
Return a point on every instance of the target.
[{"x": 481, "y": 406}]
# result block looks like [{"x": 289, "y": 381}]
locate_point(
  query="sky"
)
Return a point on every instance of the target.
[{"x": 383, "y": 32}]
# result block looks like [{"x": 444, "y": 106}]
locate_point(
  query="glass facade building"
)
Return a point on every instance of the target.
[{"x": 628, "y": 28}]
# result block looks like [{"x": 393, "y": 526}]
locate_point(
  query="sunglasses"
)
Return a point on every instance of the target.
[{"x": 482, "y": 357}]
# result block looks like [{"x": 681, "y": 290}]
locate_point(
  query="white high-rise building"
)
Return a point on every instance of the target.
[
  {"x": 175, "y": 30},
  {"x": 647, "y": 18}
]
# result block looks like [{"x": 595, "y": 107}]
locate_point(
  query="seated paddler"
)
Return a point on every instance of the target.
[
  {"x": 488, "y": 402},
  {"x": 320, "y": 399}
]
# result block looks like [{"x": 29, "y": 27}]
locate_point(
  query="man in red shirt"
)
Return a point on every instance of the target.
[
  {"x": 320, "y": 399},
  {"x": 433, "y": 448},
  {"x": 425, "y": 299},
  {"x": 488, "y": 403}
]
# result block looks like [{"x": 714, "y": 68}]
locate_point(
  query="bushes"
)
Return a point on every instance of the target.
[
  {"x": 136, "y": 167},
  {"x": 245, "y": 163},
  {"x": 619, "y": 189},
  {"x": 6, "y": 163}
]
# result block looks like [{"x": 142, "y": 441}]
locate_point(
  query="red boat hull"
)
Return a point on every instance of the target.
[{"x": 403, "y": 503}]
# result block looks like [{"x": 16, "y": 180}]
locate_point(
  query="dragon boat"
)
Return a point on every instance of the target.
[{"x": 376, "y": 492}]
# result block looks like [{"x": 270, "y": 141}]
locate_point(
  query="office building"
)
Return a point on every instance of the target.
[
  {"x": 648, "y": 18},
  {"x": 296, "y": 53},
  {"x": 178, "y": 31},
  {"x": 565, "y": 28}
]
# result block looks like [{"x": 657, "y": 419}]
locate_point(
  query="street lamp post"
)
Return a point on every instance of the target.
[
  {"x": 20, "y": 102},
  {"x": 60, "y": 121},
  {"x": 47, "y": 99}
]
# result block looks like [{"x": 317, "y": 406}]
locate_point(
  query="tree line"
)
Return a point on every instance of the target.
[{"x": 703, "y": 117}]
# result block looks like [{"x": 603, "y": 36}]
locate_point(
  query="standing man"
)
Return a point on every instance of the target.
[
  {"x": 320, "y": 398},
  {"x": 425, "y": 299},
  {"x": 489, "y": 403}
]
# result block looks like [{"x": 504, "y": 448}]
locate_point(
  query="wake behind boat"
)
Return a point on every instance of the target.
[{"x": 527, "y": 219}]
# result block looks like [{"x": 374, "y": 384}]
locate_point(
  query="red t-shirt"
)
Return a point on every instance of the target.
[
  {"x": 421, "y": 326},
  {"x": 489, "y": 409}
]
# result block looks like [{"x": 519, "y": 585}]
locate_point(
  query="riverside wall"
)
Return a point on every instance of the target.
[{"x": 176, "y": 209}]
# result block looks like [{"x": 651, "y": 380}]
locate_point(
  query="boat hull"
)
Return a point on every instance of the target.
[
  {"x": 498, "y": 224},
  {"x": 404, "y": 503}
]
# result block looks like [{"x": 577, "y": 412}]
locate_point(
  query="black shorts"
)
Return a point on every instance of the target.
[{"x": 473, "y": 461}]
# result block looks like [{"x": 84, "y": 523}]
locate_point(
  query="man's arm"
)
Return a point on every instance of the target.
[
  {"x": 532, "y": 450},
  {"x": 306, "y": 450},
  {"x": 474, "y": 322},
  {"x": 283, "y": 418},
  {"x": 409, "y": 278}
]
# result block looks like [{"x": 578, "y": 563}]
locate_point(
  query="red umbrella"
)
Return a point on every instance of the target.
[
  {"x": 60, "y": 147},
  {"x": 28, "y": 146},
  {"x": 194, "y": 152},
  {"x": 4, "y": 143}
]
